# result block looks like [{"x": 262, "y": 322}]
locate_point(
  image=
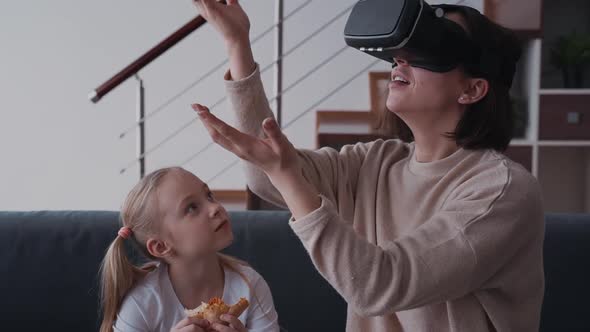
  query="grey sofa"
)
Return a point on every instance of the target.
[{"x": 49, "y": 263}]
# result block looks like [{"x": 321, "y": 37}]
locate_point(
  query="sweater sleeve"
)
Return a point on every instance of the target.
[
  {"x": 323, "y": 168},
  {"x": 471, "y": 238}
]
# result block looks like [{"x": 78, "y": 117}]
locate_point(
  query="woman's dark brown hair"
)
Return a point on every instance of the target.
[{"x": 489, "y": 123}]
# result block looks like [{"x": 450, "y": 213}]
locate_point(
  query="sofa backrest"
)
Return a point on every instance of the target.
[{"x": 49, "y": 263}]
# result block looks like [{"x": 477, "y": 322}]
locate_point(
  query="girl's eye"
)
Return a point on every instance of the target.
[
  {"x": 210, "y": 196},
  {"x": 191, "y": 208}
]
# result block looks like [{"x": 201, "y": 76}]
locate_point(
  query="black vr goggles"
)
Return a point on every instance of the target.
[{"x": 420, "y": 34}]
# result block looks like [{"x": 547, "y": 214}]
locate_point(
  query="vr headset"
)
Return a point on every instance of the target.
[{"x": 419, "y": 33}]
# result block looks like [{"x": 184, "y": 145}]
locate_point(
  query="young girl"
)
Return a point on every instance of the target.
[{"x": 172, "y": 216}]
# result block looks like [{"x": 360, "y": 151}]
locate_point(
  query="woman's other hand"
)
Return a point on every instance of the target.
[{"x": 230, "y": 20}]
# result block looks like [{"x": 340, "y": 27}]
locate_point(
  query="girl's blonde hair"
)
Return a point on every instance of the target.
[{"x": 117, "y": 273}]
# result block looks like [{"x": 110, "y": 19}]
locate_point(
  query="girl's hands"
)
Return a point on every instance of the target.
[
  {"x": 274, "y": 155},
  {"x": 230, "y": 20},
  {"x": 234, "y": 325},
  {"x": 191, "y": 324}
]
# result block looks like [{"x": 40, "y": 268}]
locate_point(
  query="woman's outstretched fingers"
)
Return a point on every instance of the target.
[
  {"x": 275, "y": 134},
  {"x": 211, "y": 121},
  {"x": 225, "y": 135},
  {"x": 271, "y": 128},
  {"x": 200, "y": 109},
  {"x": 217, "y": 137}
]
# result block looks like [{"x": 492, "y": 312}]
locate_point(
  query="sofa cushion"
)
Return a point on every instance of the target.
[
  {"x": 567, "y": 273},
  {"x": 48, "y": 269}
]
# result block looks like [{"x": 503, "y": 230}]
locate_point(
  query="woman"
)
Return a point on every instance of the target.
[{"x": 440, "y": 234}]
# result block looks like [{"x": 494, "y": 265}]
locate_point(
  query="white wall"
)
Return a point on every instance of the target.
[{"x": 59, "y": 151}]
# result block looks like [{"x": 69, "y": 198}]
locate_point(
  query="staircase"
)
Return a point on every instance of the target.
[{"x": 333, "y": 127}]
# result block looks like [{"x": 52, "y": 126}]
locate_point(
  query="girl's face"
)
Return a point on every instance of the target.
[{"x": 194, "y": 223}]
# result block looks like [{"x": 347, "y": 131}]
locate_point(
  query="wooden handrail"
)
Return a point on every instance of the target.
[{"x": 147, "y": 58}]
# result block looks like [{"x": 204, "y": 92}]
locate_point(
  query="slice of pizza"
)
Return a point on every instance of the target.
[{"x": 215, "y": 308}]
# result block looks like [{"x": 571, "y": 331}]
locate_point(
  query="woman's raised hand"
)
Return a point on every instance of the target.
[{"x": 230, "y": 20}]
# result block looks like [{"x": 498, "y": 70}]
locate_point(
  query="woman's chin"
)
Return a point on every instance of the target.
[{"x": 394, "y": 106}]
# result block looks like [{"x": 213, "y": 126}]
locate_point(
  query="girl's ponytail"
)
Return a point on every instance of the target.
[{"x": 118, "y": 275}]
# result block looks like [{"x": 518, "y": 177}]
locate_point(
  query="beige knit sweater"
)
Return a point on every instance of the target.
[{"x": 450, "y": 245}]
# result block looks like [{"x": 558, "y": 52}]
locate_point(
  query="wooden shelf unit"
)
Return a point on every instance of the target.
[{"x": 547, "y": 159}]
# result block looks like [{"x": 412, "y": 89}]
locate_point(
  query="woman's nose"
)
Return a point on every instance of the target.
[{"x": 400, "y": 61}]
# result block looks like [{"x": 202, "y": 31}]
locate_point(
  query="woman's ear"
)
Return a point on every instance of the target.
[
  {"x": 476, "y": 90},
  {"x": 158, "y": 248}
]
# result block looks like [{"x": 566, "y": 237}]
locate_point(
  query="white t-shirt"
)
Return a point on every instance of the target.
[{"x": 152, "y": 305}]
